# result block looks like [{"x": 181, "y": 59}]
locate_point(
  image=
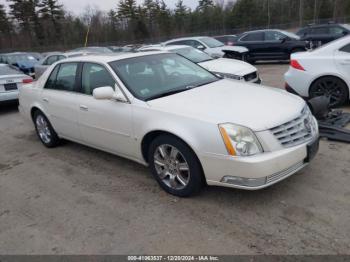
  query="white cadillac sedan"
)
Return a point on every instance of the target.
[
  {"x": 324, "y": 71},
  {"x": 189, "y": 126}
]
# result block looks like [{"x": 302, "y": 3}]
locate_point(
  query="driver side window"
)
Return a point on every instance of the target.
[
  {"x": 273, "y": 36},
  {"x": 95, "y": 76}
]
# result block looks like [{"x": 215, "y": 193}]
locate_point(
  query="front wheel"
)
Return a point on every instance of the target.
[
  {"x": 44, "y": 130},
  {"x": 331, "y": 87},
  {"x": 175, "y": 166}
]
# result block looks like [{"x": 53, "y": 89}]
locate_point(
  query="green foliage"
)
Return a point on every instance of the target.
[{"x": 44, "y": 23}]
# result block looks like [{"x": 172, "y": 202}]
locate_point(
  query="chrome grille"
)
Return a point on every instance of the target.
[{"x": 297, "y": 131}]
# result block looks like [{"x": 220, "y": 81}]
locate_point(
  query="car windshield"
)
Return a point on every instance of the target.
[
  {"x": 193, "y": 54},
  {"x": 153, "y": 76},
  {"x": 290, "y": 35},
  {"x": 211, "y": 42}
]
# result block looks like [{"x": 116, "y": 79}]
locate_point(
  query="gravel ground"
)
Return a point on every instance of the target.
[{"x": 77, "y": 200}]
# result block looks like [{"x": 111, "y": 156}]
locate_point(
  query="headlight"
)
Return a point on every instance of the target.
[
  {"x": 231, "y": 76},
  {"x": 240, "y": 140}
]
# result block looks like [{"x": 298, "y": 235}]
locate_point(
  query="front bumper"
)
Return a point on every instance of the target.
[{"x": 260, "y": 171}]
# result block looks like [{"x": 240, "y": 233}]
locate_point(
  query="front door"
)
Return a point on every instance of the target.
[{"x": 106, "y": 124}]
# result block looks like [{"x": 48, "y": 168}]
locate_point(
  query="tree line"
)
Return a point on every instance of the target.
[{"x": 46, "y": 24}]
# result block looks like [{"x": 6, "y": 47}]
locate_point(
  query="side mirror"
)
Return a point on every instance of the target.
[
  {"x": 103, "y": 93},
  {"x": 108, "y": 93},
  {"x": 201, "y": 47}
]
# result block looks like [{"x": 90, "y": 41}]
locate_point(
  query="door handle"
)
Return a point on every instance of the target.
[
  {"x": 45, "y": 100},
  {"x": 84, "y": 108}
]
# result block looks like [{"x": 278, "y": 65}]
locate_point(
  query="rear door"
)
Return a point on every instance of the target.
[
  {"x": 106, "y": 124},
  {"x": 59, "y": 97}
]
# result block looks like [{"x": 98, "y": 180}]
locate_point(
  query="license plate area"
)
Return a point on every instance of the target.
[
  {"x": 312, "y": 150},
  {"x": 10, "y": 87}
]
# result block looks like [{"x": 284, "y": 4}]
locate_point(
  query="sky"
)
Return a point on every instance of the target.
[{"x": 77, "y": 6}]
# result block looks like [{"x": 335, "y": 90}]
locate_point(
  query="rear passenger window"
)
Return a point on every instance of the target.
[
  {"x": 336, "y": 30},
  {"x": 346, "y": 49},
  {"x": 95, "y": 76},
  {"x": 63, "y": 77}
]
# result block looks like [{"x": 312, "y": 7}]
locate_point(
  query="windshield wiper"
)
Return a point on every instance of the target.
[
  {"x": 176, "y": 91},
  {"x": 171, "y": 92}
]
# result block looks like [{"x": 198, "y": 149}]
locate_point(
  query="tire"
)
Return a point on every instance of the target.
[
  {"x": 180, "y": 173},
  {"x": 332, "y": 87},
  {"x": 45, "y": 131}
]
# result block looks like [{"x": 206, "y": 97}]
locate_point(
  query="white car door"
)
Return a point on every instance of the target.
[
  {"x": 342, "y": 60},
  {"x": 59, "y": 98},
  {"x": 106, "y": 124}
]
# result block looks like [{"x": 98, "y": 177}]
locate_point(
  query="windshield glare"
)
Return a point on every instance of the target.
[
  {"x": 291, "y": 35},
  {"x": 193, "y": 54},
  {"x": 211, "y": 42},
  {"x": 153, "y": 75}
]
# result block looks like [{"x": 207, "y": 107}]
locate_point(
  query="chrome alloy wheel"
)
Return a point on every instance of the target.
[
  {"x": 43, "y": 129},
  {"x": 171, "y": 166}
]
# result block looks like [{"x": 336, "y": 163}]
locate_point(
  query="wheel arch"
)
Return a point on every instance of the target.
[
  {"x": 151, "y": 135},
  {"x": 330, "y": 75}
]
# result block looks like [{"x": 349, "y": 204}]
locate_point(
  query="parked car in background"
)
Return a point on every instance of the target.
[
  {"x": 36, "y": 55},
  {"x": 10, "y": 80},
  {"x": 324, "y": 71},
  {"x": 120, "y": 49},
  {"x": 162, "y": 110},
  {"x": 227, "y": 39},
  {"x": 270, "y": 44},
  {"x": 25, "y": 62},
  {"x": 92, "y": 49},
  {"x": 319, "y": 35},
  {"x": 52, "y": 58},
  {"x": 227, "y": 68},
  {"x": 211, "y": 46}
]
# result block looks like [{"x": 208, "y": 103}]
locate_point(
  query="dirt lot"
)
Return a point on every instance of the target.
[{"x": 77, "y": 200}]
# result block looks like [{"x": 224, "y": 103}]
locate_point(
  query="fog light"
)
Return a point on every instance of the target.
[{"x": 242, "y": 181}]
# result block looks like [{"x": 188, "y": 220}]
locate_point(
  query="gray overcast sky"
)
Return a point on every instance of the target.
[{"x": 76, "y": 6}]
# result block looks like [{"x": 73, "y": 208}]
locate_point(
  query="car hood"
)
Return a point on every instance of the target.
[
  {"x": 228, "y": 66},
  {"x": 229, "y": 101}
]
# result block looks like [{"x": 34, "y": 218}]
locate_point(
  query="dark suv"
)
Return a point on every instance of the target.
[
  {"x": 321, "y": 34},
  {"x": 270, "y": 44}
]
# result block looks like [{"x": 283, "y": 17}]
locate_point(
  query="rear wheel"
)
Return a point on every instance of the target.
[
  {"x": 175, "y": 166},
  {"x": 331, "y": 87},
  {"x": 44, "y": 130}
]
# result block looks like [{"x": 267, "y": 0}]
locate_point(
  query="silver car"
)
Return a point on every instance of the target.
[{"x": 10, "y": 80}]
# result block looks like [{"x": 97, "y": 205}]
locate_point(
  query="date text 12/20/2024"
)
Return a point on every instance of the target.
[{"x": 173, "y": 258}]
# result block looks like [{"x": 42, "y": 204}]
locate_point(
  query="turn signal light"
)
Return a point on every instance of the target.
[{"x": 295, "y": 64}]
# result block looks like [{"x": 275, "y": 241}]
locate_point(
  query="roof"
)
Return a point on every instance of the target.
[
  {"x": 106, "y": 58},
  {"x": 164, "y": 48}
]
